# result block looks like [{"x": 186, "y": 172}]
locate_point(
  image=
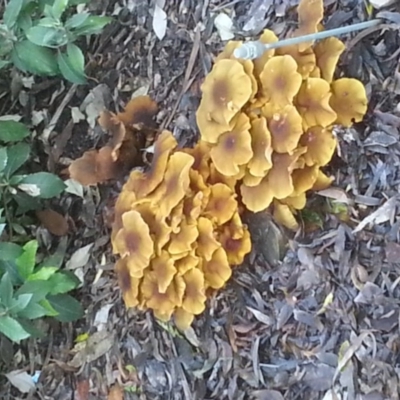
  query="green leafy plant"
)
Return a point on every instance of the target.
[
  {"x": 38, "y": 37},
  {"x": 20, "y": 191},
  {"x": 29, "y": 291}
]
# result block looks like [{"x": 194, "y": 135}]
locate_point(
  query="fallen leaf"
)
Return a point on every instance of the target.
[
  {"x": 80, "y": 258},
  {"x": 266, "y": 394},
  {"x": 82, "y": 389},
  {"x": 21, "y": 380},
  {"x": 96, "y": 346},
  {"x": 336, "y": 194},
  {"x": 115, "y": 393},
  {"x": 101, "y": 318},
  {"x": 383, "y": 214},
  {"x": 73, "y": 187},
  {"x": 53, "y": 221},
  {"x": 159, "y": 20},
  {"x": 95, "y": 166},
  {"x": 224, "y": 26},
  {"x": 381, "y": 3}
]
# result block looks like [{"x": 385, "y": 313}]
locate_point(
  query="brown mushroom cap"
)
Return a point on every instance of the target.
[
  {"x": 280, "y": 80},
  {"x": 261, "y": 160},
  {"x": 143, "y": 184},
  {"x": 285, "y": 125},
  {"x": 194, "y": 297},
  {"x": 283, "y": 215},
  {"x": 129, "y": 285},
  {"x": 305, "y": 60},
  {"x": 266, "y": 37},
  {"x": 327, "y": 52},
  {"x": 233, "y": 148},
  {"x": 226, "y": 89},
  {"x": 349, "y": 100},
  {"x": 313, "y": 103},
  {"x": 310, "y": 13},
  {"x": 321, "y": 145}
]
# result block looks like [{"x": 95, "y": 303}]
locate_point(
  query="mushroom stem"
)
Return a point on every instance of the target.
[{"x": 255, "y": 49}]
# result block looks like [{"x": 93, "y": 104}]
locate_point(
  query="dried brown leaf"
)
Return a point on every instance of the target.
[{"x": 53, "y": 221}]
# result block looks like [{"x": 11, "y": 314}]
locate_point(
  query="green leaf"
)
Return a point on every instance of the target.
[
  {"x": 32, "y": 311},
  {"x": 77, "y": 20},
  {"x": 72, "y": 64},
  {"x": 26, "y": 203},
  {"x": 47, "y": 185},
  {"x": 3, "y": 158},
  {"x": 27, "y": 260},
  {"x": 11, "y": 12},
  {"x": 43, "y": 274},
  {"x": 6, "y": 290},
  {"x": 35, "y": 59},
  {"x": 93, "y": 25},
  {"x": 11, "y": 328},
  {"x": 68, "y": 308},
  {"x": 20, "y": 303},
  {"x": 50, "y": 311},
  {"x": 62, "y": 283},
  {"x": 59, "y": 7},
  {"x": 47, "y": 36},
  {"x": 49, "y": 22},
  {"x": 9, "y": 251},
  {"x": 2, "y": 227},
  {"x": 4, "y": 63},
  {"x": 12, "y": 131},
  {"x": 17, "y": 155},
  {"x": 39, "y": 289}
]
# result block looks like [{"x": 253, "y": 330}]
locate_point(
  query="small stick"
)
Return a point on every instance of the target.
[{"x": 255, "y": 49}]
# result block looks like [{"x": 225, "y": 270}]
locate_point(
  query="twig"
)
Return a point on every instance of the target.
[{"x": 53, "y": 122}]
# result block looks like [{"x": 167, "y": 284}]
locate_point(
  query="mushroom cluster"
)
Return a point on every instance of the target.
[
  {"x": 269, "y": 122},
  {"x": 178, "y": 231}
]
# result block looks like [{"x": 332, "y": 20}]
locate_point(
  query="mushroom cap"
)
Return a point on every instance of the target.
[
  {"x": 349, "y": 100},
  {"x": 296, "y": 202},
  {"x": 280, "y": 80},
  {"x": 183, "y": 241},
  {"x": 237, "y": 244},
  {"x": 304, "y": 179},
  {"x": 283, "y": 215},
  {"x": 183, "y": 319},
  {"x": 194, "y": 297},
  {"x": 305, "y": 60},
  {"x": 162, "y": 303},
  {"x": 164, "y": 268},
  {"x": 210, "y": 130},
  {"x": 321, "y": 144},
  {"x": 277, "y": 183},
  {"x": 233, "y": 148},
  {"x": 217, "y": 270},
  {"x": 207, "y": 243},
  {"x": 285, "y": 126},
  {"x": 310, "y": 13},
  {"x": 145, "y": 183},
  {"x": 226, "y": 89},
  {"x": 322, "y": 182},
  {"x": 313, "y": 103},
  {"x": 266, "y": 37},
  {"x": 134, "y": 240},
  {"x": 222, "y": 204},
  {"x": 227, "y": 53},
  {"x": 251, "y": 180},
  {"x": 139, "y": 112},
  {"x": 327, "y": 52},
  {"x": 95, "y": 166},
  {"x": 129, "y": 285},
  {"x": 175, "y": 184},
  {"x": 261, "y": 160},
  {"x": 187, "y": 263}
]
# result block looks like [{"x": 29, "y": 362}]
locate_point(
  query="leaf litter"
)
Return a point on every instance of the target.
[{"x": 312, "y": 315}]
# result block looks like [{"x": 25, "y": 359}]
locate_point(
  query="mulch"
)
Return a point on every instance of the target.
[{"x": 308, "y": 316}]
